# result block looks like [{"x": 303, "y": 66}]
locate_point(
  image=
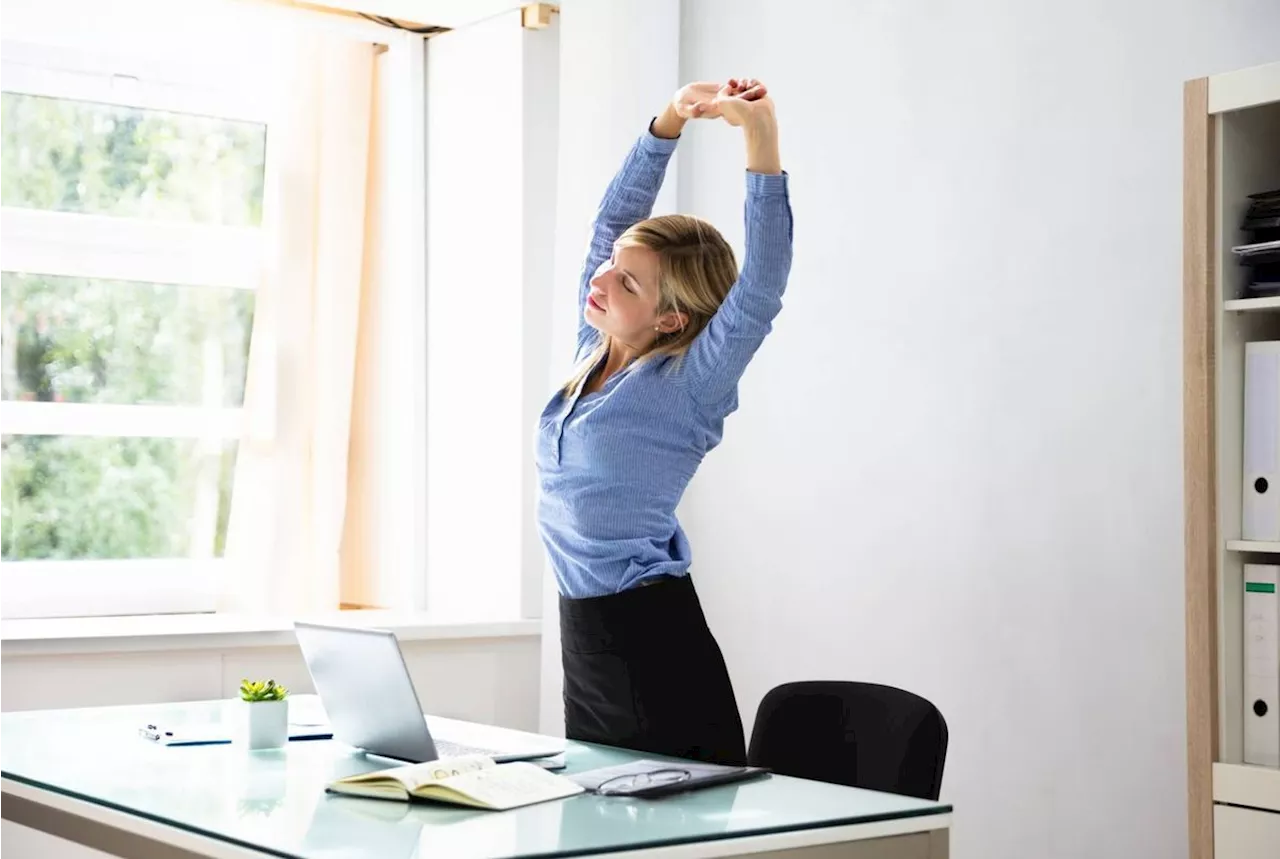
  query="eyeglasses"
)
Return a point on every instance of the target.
[{"x": 635, "y": 782}]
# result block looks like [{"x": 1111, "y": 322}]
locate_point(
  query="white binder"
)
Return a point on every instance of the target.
[
  {"x": 1260, "y": 513},
  {"x": 1261, "y": 665}
]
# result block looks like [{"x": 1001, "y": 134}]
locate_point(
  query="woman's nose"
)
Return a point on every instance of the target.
[{"x": 603, "y": 278}]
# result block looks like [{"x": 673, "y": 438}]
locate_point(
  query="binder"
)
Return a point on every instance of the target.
[
  {"x": 652, "y": 778},
  {"x": 1261, "y": 665},
  {"x": 1260, "y": 511}
]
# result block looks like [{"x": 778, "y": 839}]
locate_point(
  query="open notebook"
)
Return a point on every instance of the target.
[{"x": 473, "y": 780}]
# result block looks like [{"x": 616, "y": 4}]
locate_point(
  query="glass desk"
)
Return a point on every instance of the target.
[{"x": 88, "y": 776}]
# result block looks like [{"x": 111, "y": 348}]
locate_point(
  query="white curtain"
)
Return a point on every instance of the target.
[{"x": 290, "y": 493}]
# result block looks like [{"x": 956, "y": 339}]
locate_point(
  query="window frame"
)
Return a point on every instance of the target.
[{"x": 190, "y": 255}]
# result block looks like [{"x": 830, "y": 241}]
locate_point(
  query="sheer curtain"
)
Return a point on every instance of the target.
[{"x": 286, "y": 525}]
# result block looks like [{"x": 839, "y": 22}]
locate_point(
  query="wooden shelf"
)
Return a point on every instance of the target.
[
  {"x": 1231, "y": 136},
  {"x": 1253, "y": 546},
  {"x": 1241, "y": 305},
  {"x": 1248, "y": 785}
]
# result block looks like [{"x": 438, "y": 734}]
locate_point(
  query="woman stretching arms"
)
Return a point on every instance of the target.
[{"x": 667, "y": 327}]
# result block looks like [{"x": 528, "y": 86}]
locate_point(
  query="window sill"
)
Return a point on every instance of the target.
[{"x": 54, "y": 636}]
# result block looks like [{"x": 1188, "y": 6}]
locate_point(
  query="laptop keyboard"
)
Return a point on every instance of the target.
[{"x": 447, "y": 749}]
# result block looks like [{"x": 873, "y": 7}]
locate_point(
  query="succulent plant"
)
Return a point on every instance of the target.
[{"x": 257, "y": 690}]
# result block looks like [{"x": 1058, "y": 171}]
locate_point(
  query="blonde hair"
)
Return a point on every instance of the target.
[{"x": 696, "y": 269}]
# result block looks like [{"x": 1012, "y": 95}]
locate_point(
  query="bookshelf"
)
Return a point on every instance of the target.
[
  {"x": 1244, "y": 305},
  {"x": 1261, "y": 547},
  {"x": 1231, "y": 149}
]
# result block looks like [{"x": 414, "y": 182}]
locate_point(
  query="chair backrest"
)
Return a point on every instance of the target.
[{"x": 858, "y": 734}]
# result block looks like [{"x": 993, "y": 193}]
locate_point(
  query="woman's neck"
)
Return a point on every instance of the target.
[{"x": 620, "y": 355}]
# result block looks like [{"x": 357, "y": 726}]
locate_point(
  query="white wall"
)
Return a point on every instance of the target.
[
  {"x": 957, "y": 465},
  {"x": 961, "y": 450},
  {"x": 491, "y": 165},
  {"x": 487, "y": 680}
]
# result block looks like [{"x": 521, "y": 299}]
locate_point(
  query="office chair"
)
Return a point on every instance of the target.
[{"x": 858, "y": 734}]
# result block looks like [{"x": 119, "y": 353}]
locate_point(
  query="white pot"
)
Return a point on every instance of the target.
[{"x": 266, "y": 724}]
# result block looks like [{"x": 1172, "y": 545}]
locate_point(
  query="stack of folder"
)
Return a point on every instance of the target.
[
  {"x": 1260, "y": 511},
  {"x": 1261, "y": 253}
]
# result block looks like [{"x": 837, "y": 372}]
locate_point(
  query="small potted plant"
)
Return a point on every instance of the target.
[{"x": 266, "y": 713}]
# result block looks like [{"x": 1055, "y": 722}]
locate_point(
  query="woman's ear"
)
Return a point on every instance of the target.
[{"x": 671, "y": 321}]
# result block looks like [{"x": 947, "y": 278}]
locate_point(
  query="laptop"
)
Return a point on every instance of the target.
[{"x": 365, "y": 688}]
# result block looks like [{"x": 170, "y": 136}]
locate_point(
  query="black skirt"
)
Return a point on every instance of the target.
[{"x": 642, "y": 671}]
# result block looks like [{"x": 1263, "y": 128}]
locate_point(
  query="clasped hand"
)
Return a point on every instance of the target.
[{"x": 738, "y": 101}]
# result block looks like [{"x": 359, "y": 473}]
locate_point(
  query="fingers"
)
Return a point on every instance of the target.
[{"x": 748, "y": 89}]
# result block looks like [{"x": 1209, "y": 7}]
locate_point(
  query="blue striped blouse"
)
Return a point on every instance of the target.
[{"x": 613, "y": 464}]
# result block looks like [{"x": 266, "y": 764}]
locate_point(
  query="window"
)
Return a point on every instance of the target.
[
  {"x": 213, "y": 309},
  {"x": 131, "y": 248}
]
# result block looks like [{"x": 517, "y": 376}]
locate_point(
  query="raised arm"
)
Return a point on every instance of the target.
[
  {"x": 719, "y": 355},
  {"x": 630, "y": 196},
  {"x": 628, "y": 199}
]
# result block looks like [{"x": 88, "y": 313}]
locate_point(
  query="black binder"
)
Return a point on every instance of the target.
[{"x": 650, "y": 778}]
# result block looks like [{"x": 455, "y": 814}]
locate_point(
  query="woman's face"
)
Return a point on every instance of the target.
[{"x": 623, "y": 299}]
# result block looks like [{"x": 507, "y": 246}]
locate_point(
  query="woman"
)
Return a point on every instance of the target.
[{"x": 667, "y": 328}]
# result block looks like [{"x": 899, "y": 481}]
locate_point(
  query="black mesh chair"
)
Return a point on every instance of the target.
[{"x": 857, "y": 734}]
